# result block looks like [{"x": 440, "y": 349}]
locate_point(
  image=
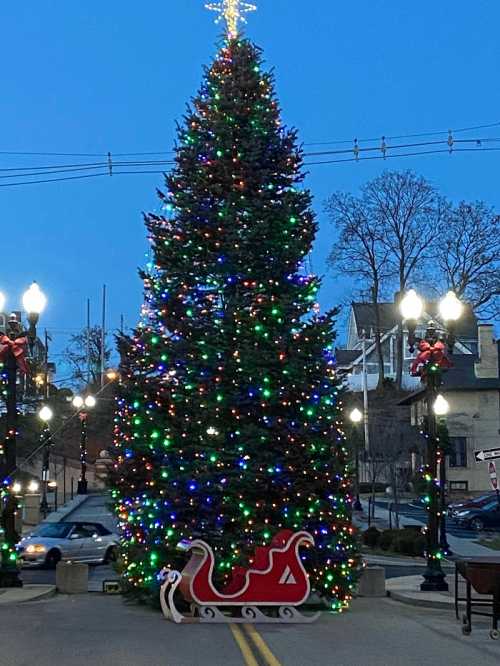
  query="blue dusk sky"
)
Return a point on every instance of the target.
[{"x": 86, "y": 76}]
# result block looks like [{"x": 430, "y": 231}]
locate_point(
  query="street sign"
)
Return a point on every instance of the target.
[
  {"x": 487, "y": 454},
  {"x": 492, "y": 470}
]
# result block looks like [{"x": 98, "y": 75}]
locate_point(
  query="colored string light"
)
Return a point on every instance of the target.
[{"x": 229, "y": 423}]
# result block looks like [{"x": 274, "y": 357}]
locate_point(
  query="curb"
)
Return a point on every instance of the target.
[
  {"x": 407, "y": 597},
  {"x": 406, "y": 590},
  {"x": 22, "y": 595}
]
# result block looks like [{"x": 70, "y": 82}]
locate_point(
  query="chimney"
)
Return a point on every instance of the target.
[{"x": 487, "y": 365}]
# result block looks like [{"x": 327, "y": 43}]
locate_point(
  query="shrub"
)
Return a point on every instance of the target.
[
  {"x": 371, "y": 537},
  {"x": 420, "y": 545},
  {"x": 387, "y": 539},
  {"x": 404, "y": 542}
]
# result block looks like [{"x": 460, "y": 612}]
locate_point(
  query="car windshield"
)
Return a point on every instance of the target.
[
  {"x": 491, "y": 505},
  {"x": 53, "y": 531}
]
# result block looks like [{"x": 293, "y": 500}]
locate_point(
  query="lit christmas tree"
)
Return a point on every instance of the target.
[{"x": 228, "y": 426}]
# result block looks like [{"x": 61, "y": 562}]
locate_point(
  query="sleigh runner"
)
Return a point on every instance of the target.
[{"x": 270, "y": 591}]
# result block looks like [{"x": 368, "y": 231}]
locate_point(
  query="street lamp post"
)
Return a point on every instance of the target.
[
  {"x": 83, "y": 404},
  {"x": 13, "y": 347},
  {"x": 441, "y": 409},
  {"x": 45, "y": 415},
  {"x": 356, "y": 417},
  {"x": 428, "y": 365}
]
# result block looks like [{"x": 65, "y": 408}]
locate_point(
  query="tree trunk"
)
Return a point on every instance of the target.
[{"x": 399, "y": 343}]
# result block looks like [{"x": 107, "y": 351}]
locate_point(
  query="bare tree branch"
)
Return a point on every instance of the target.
[{"x": 469, "y": 256}]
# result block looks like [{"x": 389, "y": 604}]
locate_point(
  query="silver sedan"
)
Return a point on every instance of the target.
[{"x": 76, "y": 541}]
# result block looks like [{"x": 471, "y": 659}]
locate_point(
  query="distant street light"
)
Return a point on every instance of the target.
[
  {"x": 82, "y": 404},
  {"x": 429, "y": 365},
  {"x": 45, "y": 415},
  {"x": 356, "y": 417},
  {"x": 441, "y": 406},
  {"x": 33, "y": 487},
  {"x": 112, "y": 375}
]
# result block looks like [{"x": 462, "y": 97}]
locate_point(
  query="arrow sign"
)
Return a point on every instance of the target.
[
  {"x": 493, "y": 475},
  {"x": 486, "y": 454}
]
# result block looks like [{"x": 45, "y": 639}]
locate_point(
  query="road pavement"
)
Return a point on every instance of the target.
[{"x": 89, "y": 629}]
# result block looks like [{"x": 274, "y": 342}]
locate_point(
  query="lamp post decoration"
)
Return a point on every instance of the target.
[
  {"x": 431, "y": 361},
  {"x": 14, "y": 344},
  {"x": 83, "y": 405}
]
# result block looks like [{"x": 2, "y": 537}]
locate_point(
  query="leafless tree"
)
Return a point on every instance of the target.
[
  {"x": 83, "y": 356},
  {"x": 360, "y": 253},
  {"x": 406, "y": 210},
  {"x": 468, "y": 254}
]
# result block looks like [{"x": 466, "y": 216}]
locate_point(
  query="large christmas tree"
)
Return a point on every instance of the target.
[{"x": 229, "y": 425}]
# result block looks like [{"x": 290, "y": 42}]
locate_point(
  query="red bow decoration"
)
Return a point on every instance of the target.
[
  {"x": 429, "y": 354},
  {"x": 18, "y": 348}
]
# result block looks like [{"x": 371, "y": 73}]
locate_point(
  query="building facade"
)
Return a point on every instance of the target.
[{"x": 472, "y": 389}]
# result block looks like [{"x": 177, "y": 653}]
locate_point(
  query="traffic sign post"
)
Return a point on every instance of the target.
[
  {"x": 487, "y": 454},
  {"x": 492, "y": 471}
]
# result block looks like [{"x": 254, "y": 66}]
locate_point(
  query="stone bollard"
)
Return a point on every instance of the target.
[
  {"x": 72, "y": 578},
  {"x": 372, "y": 582},
  {"x": 31, "y": 512}
]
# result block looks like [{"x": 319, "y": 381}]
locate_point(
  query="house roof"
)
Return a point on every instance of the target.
[
  {"x": 364, "y": 315},
  {"x": 461, "y": 377},
  {"x": 346, "y": 356}
]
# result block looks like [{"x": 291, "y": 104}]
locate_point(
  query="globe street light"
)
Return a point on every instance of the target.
[
  {"x": 441, "y": 406},
  {"x": 82, "y": 405},
  {"x": 34, "y": 302},
  {"x": 33, "y": 487},
  {"x": 13, "y": 351},
  {"x": 429, "y": 364},
  {"x": 356, "y": 417},
  {"x": 45, "y": 415}
]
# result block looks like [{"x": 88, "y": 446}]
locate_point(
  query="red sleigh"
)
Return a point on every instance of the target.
[{"x": 269, "y": 591}]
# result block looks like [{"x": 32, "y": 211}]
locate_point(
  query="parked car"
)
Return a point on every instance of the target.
[
  {"x": 76, "y": 541},
  {"x": 472, "y": 503},
  {"x": 486, "y": 517}
]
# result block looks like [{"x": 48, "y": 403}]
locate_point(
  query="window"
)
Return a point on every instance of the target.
[
  {"x": 53, "y": 530},
  {"x": 459, "y": 486},
  {"x": 83, "y": 531},
  {"x": 458, "y": 452}
]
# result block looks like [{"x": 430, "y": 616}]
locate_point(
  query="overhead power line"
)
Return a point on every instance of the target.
[{"x": 114, "y": 164}]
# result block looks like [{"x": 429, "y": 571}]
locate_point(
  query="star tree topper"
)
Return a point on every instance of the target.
[{"x": 232, "y": 12}]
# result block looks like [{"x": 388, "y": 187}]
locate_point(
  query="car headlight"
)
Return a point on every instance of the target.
[
  {"x": 35, "y": 548},
  {"x": 462, "y": 514}
]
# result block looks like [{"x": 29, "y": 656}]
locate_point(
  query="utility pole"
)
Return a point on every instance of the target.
[
  {"x": 103, "y": 335},
  {"x": 46, "y": 367},
  {"x": 365, "y": 397}
]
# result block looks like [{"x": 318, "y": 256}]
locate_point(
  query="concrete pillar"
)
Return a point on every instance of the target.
[
  {"x": 31, "y": 512},
  {"x": 72, "y": 578},
  {"x": 372, "y": 582}
]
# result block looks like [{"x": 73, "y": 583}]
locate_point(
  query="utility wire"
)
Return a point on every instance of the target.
[{"x": 110, "y": 168}]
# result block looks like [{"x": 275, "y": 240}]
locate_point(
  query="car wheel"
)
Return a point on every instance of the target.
[
  {"x": 477, "y": 524},
  {"x": 52, "y": 558},
  {"x": 111, "y": 555}
]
